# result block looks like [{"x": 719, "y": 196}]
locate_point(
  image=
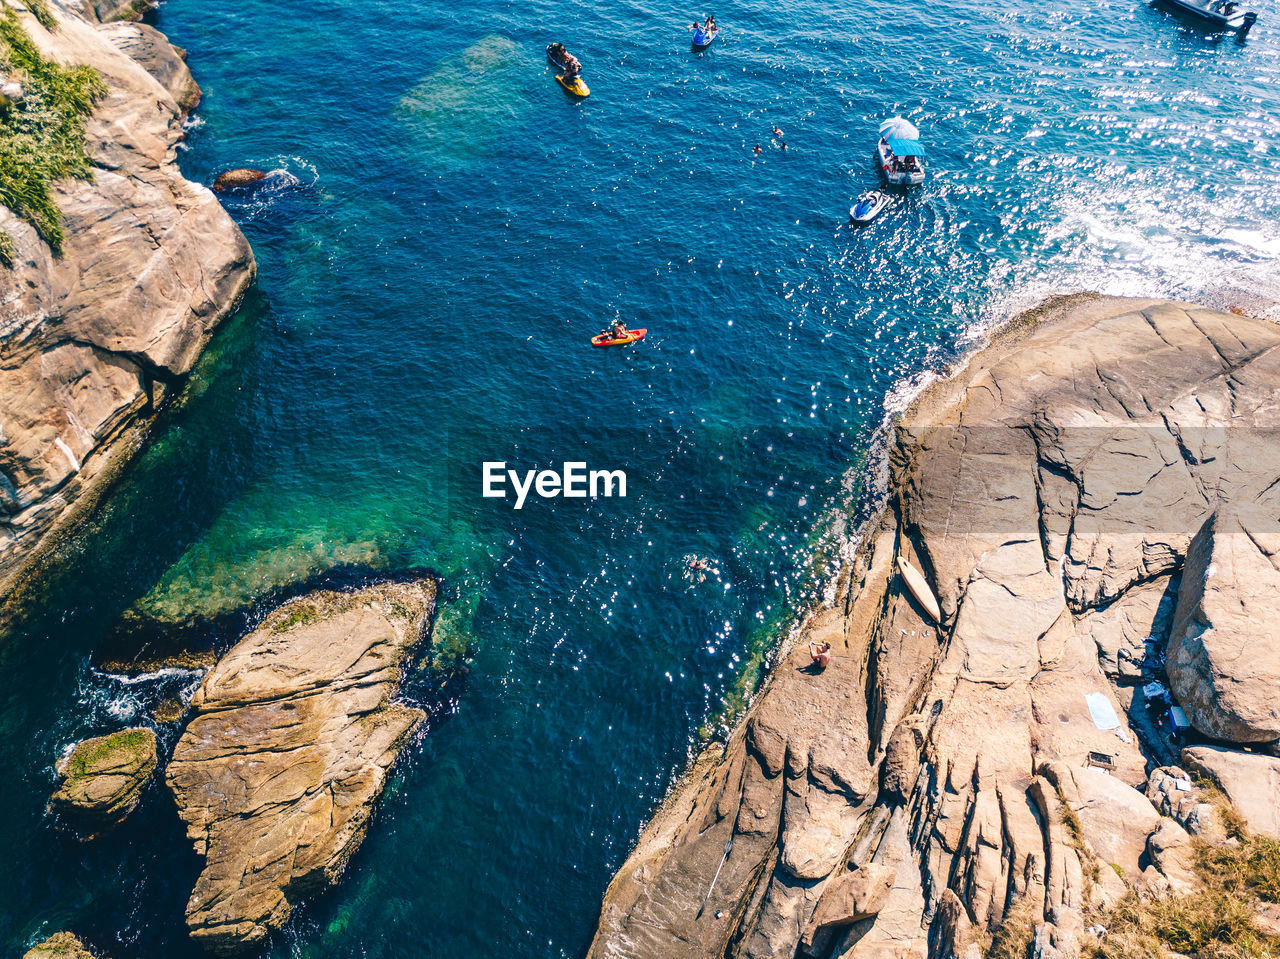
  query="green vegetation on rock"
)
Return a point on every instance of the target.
[
  {"x": 1217, "y": 921},
  {"x": 42, "y": 139},
  {"x": 61, "y": 945}
]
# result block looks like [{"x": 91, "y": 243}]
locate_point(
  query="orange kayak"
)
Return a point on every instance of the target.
[{"x": 608, "y": 339}]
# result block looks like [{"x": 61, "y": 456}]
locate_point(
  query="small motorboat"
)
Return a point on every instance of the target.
[
  {"x": 899, "y": 152},
  {"x": 1219, "y": 16},
  {"x": 573, "y": 84},
  {"x": 702, "y": 37},
  {"x": 869, "y": 206},
  {"x": 608, "y": 339}
]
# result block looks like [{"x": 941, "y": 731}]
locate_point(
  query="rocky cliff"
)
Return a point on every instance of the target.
[
  {"x": 1096, "y": 490},
  {"x": 92, "y": 341}
]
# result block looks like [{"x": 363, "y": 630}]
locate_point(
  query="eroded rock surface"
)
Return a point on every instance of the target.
[
  {"x": 1050, "y": 491},
  {"x": 294, "y": 733},
  {"x": 101, "y": 779},
  {"x": 61, "y": 945},
  {"x": 91, "y": 342}
]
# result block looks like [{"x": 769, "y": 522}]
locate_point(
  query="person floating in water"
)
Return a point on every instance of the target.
[
  {"x": 777, "y": 132},
  {"x": 758, "y": 150},
  {"x": 820, "y": 653}
]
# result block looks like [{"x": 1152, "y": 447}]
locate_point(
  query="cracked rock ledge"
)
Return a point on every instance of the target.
[{"x": 1095, "y": 499}]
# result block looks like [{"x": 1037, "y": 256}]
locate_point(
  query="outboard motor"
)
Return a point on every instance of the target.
[{"x": 1250, "y": 19}]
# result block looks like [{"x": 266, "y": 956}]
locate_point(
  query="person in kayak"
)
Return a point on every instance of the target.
[
  {"x": 619, "y": 330},
  {"x": 820, "y": 653}
]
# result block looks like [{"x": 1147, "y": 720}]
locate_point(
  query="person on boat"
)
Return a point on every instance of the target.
[
  {"x": 711, "y": 25},
  {"x": 820, "y": 653},
  {"x": 571, "y": 66},
  {"x": 619, "y": 330},
  {"x": 558, "y": 51}
]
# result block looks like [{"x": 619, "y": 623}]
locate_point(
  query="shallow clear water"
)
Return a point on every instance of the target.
[{"x": 459, "y": 230}]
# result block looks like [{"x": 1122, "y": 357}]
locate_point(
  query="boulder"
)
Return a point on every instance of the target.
[
  {"x": 1250, "y": 780},
  {"x": 851, "y": 896},
  {"x": 1174, "y": 794},
  {"x": 101, "y": 779},
  {"x": 1223, "y": 665},
  {"x": 237, "y": 179},
  {"x": 61, "y": 945},
  {"x": 293, "y": 734},
  {"x": 1170, "y": 850},
  {"x": 1115, "y": 819}
]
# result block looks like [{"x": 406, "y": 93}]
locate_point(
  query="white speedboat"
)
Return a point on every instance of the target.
[
  {"x": 1219, "y": 15},
  {"x": 899, "y": 153},
  {"x": 869, "y": 206}
]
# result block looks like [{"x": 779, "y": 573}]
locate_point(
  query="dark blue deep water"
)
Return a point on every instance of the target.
[{"x": 457, "y": 231}]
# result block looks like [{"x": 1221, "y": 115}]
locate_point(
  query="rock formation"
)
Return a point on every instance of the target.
[
  {"x": 61, "y": 945},
  {"x": 237, "y": 179},
  {"x": 293, "y": 735},
  {"x": 993, "y": 765},
  {"x": 92, "y": 341},
  {"x": 102, "y": 778}
]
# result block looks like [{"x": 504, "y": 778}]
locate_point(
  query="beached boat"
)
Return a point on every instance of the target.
[
  {"x": 899, "y": 153},
  {"x": 1215, "y": 15}
]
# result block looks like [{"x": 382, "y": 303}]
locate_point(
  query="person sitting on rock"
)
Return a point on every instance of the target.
[{"x": 820, "y": 653}]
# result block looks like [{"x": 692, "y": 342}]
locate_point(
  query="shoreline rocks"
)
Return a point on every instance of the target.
[
  {"x": 94, "y": 342},
  {"x": 61, "y": 945},
  {"x": 1050, "y": 490},
  {"x": 293, "y": 736},
  {"x": 102, "y": 779},
  {"x": 238, "y": 179}
]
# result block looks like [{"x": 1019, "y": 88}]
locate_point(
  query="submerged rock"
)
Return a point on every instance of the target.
[
  {"x": 61, "y": 945},
  {"x": 456, "y": 115},
  {"x": 238, "y": 179},
  {"x": 293, "y": 736},
  {"x": 102, "y": 778},
  {"x": 1050, "y": 491}
]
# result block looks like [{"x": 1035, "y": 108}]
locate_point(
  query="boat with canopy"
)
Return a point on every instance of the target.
[{"x": 900, "y": 153}]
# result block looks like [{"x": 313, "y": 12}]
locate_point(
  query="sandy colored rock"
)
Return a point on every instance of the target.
[
  {"x": 237, "y": 179},
  {"x": 1170, "y": 850},
  {"x": 61, "y": 945},
  {"x": 94, "y": 341},
  {"x": 101, "y": 779},
  {"x": 293, "y": 736},
  {"x": 1049, "y": 491},
  {"x": 1250, "y": 780},
  {"x": 1223, "y": 665}
]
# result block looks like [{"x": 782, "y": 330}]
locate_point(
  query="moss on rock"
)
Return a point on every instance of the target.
[{"x": 103, "y": 777}]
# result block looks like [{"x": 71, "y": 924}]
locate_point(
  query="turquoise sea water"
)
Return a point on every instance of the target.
[{"x": 458, "y": 231}]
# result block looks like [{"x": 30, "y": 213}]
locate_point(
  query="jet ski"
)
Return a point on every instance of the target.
[
  {"x": 702, "y": 37},
  {"x": 869, "y": 206},
  {"x": 559, "y": 58}
]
